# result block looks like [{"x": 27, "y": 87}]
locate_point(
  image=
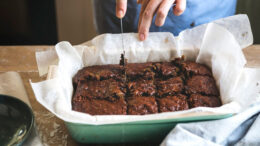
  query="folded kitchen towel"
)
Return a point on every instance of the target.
[
  {"x": 12, "y": 85},
  {"x": 241, "y": 129}
]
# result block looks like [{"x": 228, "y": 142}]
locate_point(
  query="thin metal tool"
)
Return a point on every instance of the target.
[
  {"x": 123, "y": 45},
  {"x": 123, "y": 60}
]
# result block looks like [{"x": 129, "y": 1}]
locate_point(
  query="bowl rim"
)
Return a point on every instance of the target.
[{"x": 30, "y": 111}]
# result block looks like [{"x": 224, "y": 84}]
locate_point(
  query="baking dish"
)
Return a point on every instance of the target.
[
  {"x": 134, "y": 132},
  {"x": 147, "y": 131}
]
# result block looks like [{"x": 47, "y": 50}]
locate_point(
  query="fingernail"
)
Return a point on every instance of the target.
[
  {"x": 121, "y": 13},
  {"x": 141, "y": 36}
]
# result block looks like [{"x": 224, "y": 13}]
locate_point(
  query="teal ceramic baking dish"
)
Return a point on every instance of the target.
[{"x": 133, "y": 132}]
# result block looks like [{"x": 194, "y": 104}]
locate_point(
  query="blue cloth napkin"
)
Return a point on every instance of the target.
[{"x": 241, "y": 129}]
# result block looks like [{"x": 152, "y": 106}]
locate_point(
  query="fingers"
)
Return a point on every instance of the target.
[
  {"x": 162, "y": 7},
  {"x": 144, "y": 4},
  {"x": 162, "y": 12},
  {"x": 147, "y": 18},
  {"x": 121, "y": 6},
  {"x": 180, "y": 7}
]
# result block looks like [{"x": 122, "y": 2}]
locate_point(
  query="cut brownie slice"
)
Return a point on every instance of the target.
[
  {"x": 170, "y": 86},
  {"x": 139, "y": 70},
  {"x": 99, "y": 106},
  {"x": 202, "y": 84},
  {"x": 100, "y": 72},
  {"x": 197, "y": 100},
  {"x": 166, "y": 69},
  {"x": 173, "y": 103},
  {"x": 142, "y": 87},
  {"x": 193, "y": 68},
  {"x": 101, "y": 89},
  {"x": 138, "y": 105}
]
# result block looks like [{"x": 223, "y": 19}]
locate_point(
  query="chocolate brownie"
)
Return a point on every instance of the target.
[
  {"x": 142, "y": 87},
  {"x": 101, "y": 89},
  {"x": 140, "y": 70},
  {"x": 193, "y": 68},
  {"x": 166, "y": 69},
  {"x": 170, "y": 86},
  {"x": 99, "y": 106},
  {"x": 131, "y": 88},
  {"x": 173, "y": 103},
  {"x": 202, "y": 84},
  {"x": 100, "y": 72},
  {"x": 197, "y": 100},
  {"x": 138, "y": 105}
]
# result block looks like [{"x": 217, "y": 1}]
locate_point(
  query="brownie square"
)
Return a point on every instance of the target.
[
  {"x": 170, "y": 86},
  {"x": 173, "y": 103},
  {"x": 197, "y": 100},
  {"x": 142, "y": 87},
  {"x": 99, "y": 106},
  {"x": 100, "y": 72},
  {"x": 166, "y": 69},
  {"x": 202, "y": 84},
  {"x": 101, "y": 89},
  {"x": 138, "y": 105},
  {"x": 140, "y": 70},
  {"x": 193, "y": 68}
]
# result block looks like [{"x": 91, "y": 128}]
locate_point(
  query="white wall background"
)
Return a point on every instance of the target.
[{"x": 75, "y": 20}]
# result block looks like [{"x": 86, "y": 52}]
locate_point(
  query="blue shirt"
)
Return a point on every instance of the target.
[{"x": 197, "y": 12}]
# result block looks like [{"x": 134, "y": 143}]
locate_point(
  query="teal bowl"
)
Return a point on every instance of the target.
[{"x": 16, "y": 121}]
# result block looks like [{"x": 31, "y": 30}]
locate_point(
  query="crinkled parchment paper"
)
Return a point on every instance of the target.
[{"x": 218, "y": 44}]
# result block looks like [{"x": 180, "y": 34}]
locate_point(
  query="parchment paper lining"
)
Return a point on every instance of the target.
[{"x": 216, "y": 44}]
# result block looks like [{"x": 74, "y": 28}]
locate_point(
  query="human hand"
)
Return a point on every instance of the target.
[
  {"x": 160, "y": 7},
  {"x": 121, "y": 6}
]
